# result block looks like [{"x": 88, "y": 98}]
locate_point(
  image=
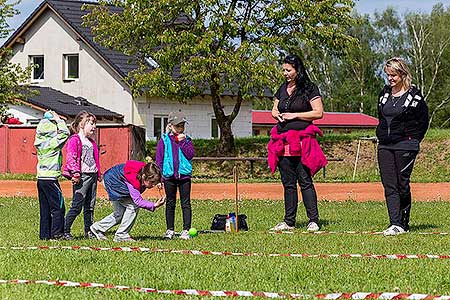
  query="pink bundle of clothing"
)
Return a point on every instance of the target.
[{"x": 301, "y": 143}]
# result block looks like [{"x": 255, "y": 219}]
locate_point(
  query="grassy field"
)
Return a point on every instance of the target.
[{"x": 20, "y": 220}]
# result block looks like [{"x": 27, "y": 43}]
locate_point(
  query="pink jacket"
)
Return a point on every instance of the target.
[
  {"x": 74, "y": 148},
  {"x": 301, "y": 143}
]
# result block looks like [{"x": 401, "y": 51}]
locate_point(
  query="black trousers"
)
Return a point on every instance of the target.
[
  {"x": 292, "y": 171},
  {"x": 51, "y": 209},
  {"x": 396, "y": 167},
  {"x": 171, "y": 186}
]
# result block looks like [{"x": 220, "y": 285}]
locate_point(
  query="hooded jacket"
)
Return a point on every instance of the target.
[
  {"x": 301, "y": 143},
  {"x": 74, "y": 148}
]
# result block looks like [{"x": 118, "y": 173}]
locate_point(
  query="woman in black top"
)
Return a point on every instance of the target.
[
  {"x": 297, "y": 103},
  {"x": 403, "y": 122}
]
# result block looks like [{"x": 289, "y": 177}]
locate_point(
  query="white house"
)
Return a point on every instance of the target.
[{"x": 68, "y": 60}]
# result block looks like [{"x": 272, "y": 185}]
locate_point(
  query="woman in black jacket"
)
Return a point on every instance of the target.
[{"x": 403, "y": 122}]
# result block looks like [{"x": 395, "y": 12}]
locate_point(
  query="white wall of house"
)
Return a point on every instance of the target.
[
  {"x": 199, "y": 113},
  {"x": 98, "y": 83},
  {"x": 50, "y": 36}
]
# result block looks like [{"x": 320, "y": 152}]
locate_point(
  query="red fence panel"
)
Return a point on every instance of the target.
[{"x": 117, "y": 143}]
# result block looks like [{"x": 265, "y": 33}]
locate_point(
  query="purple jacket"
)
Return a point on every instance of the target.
[
  {"x": 74, "y": 148},
  {"x": 186, "y": 146}
]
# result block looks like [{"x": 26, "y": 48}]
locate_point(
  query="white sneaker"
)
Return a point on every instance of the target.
[
  {"x": 393, "y": 230},
  {"x": 312, "y": 226},
  {"x": 282, "y": 226},
  {"x": 169, "y": 234},
  {"x": 185, "y": 235},
  {"x": 127, "y": 239}
]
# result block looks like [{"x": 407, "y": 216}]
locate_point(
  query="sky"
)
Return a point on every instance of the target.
[{"x": 26, "y": 7}]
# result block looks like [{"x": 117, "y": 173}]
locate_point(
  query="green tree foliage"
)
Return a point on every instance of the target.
[
  {"x": 352, "y": 82},
  {"x": 429, "y": 53},
  {"x": 11, "y": 75},
  {"x": 356, "y": 81},
  {"x": 221, "y": 46}
]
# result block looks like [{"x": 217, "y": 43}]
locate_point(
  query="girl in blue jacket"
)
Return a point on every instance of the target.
[{"x": 174, "y": 155}]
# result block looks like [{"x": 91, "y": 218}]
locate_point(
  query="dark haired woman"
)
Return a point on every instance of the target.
[
  {"x": 403, "y": 115},
  {"x": 293, "y": 147}
]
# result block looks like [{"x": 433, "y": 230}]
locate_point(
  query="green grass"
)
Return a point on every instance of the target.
[{"x": 20, "y": 221}]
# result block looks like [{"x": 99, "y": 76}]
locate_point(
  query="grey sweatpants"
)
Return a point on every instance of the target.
[
  {"x": 84, "y": 195},
  {"x": 125, "y": 213}
]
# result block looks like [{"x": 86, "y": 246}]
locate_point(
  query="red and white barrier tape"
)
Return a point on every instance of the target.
[
  {"x": 204, "y": 293},
  {"x": 349, "y": 232},
  {"x": 225, "y": 253}
]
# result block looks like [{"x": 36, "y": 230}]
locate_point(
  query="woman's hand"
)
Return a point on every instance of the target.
[
  {"x": 275, "y": 113},
  {"x": 279, "y": 117},
  {"x": 289, "y": 116}
]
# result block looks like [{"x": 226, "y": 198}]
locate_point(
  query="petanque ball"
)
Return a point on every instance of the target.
[{"x": 193, "y": 232}]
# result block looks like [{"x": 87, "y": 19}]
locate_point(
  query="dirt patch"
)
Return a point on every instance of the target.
[{"x": 273, "y": 191}]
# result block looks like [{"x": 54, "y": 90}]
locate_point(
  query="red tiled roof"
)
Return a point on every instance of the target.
[{"x": 330, "y": 119}]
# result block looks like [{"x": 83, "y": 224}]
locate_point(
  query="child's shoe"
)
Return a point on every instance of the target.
[
  {"x": 169, "y": 234},
  {"x": 185, "y": 235},
  {"x": 127, "y": 239},
  {"x": 98, "y": 234},
  {"x": 312, "y": 227},
  {"x": 57, "y": 237},
  {"x": 89, "y": 235},
  {"x": 68, "y": 236}
]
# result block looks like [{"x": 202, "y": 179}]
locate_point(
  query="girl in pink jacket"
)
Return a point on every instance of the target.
[{"x": 83, "y": 168}]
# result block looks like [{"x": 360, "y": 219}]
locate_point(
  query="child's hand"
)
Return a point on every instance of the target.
[
  {"x": 181, "y": 137},
  {"x": 160, "y": 202},
  {"x": 160, "y": 186},
  {"x": 55, "y": 116}
]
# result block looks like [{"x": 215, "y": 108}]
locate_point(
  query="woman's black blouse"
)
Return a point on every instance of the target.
[{"x": 293, "y": 104}]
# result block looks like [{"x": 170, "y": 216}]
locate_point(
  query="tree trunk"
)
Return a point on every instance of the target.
[{"x": 226, "y": 143}]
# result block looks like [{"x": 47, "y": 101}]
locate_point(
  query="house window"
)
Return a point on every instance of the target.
[
  {"x": 71, "y": 67},
  {"x": 159, "y": 125},
  {"x": 38, "y": 67},
  {"x": 214, "y": 128}
]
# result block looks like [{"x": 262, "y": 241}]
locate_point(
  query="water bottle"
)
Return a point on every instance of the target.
[
  {"x": 228, "y": 224},
  {"x": 233, "y": 222}
]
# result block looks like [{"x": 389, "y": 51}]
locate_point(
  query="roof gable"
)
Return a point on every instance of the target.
[{"x": 71, "y": 13}]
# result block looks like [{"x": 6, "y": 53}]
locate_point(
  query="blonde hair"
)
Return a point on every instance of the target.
[
  {"x": 80, "y": 120},
  {"x": 399, "y": 66}
]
